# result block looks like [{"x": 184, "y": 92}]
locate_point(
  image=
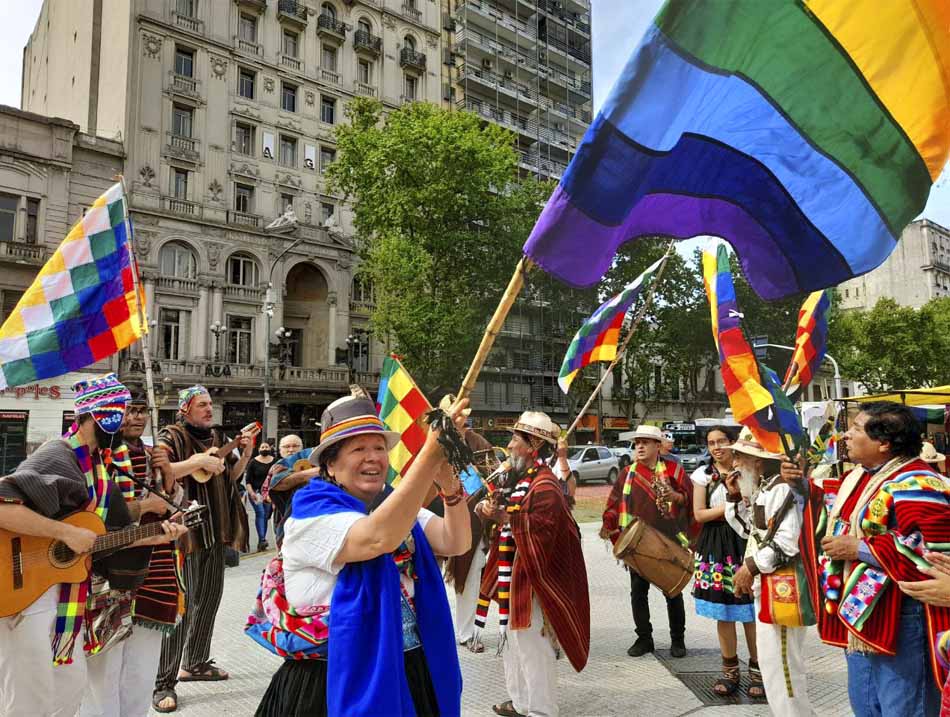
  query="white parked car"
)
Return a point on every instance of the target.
[
  {"x": 624, "y": 452},
  {"x": 592, "y": 463}
]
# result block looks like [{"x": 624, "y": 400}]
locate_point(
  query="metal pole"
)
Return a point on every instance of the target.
[
  {"x": 827, "y": 356},
  {"x": 268, "y": 314}
]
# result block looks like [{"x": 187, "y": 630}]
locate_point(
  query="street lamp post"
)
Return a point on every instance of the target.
[
  {"x": 217, "y": 328},
  {"x": 827, "y": 356}
]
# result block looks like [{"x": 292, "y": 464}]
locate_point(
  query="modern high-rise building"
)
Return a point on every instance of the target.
[
  {"x": 525, "y": 65},
  {"x": 227, "y": 111}
]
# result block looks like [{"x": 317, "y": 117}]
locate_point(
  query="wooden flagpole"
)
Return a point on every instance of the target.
[
  {"x": 648, "y": 300},
  {"x": 495, "y": 325},
  {"x": 143, "y": 318}
]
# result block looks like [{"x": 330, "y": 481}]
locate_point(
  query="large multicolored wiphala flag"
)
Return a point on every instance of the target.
[
  {"x": 400, "y": 405},
  {"x": 82, "y": 306},
  {"x": 598, "y": 337},
  {"x": 811, "y": 342},
  {"x": 806, "y": 133},
  {"x": 754, "y": 391}
]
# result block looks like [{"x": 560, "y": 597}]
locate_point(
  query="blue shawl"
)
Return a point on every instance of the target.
[{"x": 365, "y": 663}]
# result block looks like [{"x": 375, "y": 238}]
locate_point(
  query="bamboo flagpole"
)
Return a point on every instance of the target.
[
  {"x": 647, "y": 302},
  {"x": 143, "y": 318},
  {"x": 495, "y": 325}
]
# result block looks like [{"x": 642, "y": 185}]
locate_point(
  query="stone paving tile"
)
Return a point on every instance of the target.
[{"x": 612, "y": 684}]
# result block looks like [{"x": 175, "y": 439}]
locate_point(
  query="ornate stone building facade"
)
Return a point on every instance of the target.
[{"x": 227, "y": 109}]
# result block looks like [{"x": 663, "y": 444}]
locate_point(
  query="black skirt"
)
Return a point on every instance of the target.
[
  {"x": 719, "y": 553},
  {"x": 299, "y": 688}
]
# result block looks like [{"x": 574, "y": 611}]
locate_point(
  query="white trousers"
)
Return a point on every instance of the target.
[
  {"x": 782, "y": 661},
  {"x": 531, "y": 668},
  {"x": 30, "y": 686},
  {"x": 122, "y": 678},
  {"x": 467, "y": 601}
]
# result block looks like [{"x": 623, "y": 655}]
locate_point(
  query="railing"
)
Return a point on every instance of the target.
[
  {"x": 331, "y": 24},
  {"x": 244, "y": 219},
  {"x": 410, "y": 58},
  {"x": 182, "y": 206},
  {"x": 291, "y": 62},
  {"x": 579, "y": 52},
  {"x": 248, "y": 46},
  {"x": 330, "y": 76},
  {"x": 528, "y": 127},
  {"x": 185, "y": 145},
  {"x": 187, "y": 22},
  {"x": 554, "y": 10},
  {"x": 362, "y": 307},
  {"x": 243, "y": 293},
  {"x": 409, "y": 10},
  {"x": 491, "y": 45},
  {"x": 184, "y": 84},
  {"x": 499, "y": 16},
  {"x": 535, "y": 163},
  {"x": 23, "y": 253},
  {"x": 494, "y": 80},
  {"x": 361, "y": 88},
  {"x": 292, "y": 9},
  {"x": 363, "y": 40},
  {"x": 177, "y": 285}
]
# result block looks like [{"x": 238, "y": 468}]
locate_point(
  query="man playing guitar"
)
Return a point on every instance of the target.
[
  {"x": 58, "y": 479},
  {"x": 192, "y": 447}
]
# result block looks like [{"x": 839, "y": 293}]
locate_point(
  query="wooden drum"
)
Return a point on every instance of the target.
[{"x": 655, "y": 557}]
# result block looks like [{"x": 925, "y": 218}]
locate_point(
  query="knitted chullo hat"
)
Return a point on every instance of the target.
[
  {"x": 104, "y": 398},
  {"x": 186, "y": 395}
]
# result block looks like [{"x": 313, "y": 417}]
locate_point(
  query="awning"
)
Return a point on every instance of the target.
[{"x": 910, "y": 397}]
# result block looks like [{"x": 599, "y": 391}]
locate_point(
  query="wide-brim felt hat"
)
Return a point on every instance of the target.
[
  {"x": 651, "y": 432},
  {"x": 348, "y": 417},
  {"x": 539, "y": 425},
  {"x": 930, "y": 454},
  {"x": 747, "y": 444}
]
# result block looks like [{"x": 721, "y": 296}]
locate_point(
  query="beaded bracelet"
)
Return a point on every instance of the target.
[{"x": 455, "y": 498}]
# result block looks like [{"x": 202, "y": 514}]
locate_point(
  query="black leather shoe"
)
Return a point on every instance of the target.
[
  {"x": 641, "y": 647},
  {"x": 678, "y": 648}
]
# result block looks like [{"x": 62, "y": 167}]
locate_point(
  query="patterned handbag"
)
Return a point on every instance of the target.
[{"x": 785, "y": 598}]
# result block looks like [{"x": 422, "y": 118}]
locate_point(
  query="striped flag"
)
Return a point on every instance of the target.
[
  {"x": 599, "y": 336},
  {"x": 806, "y": 133},
  {"x": 811, "y": 342},
  {"x": 82, "y": 306},
  {"x": 401, "y": 406},
  {"x": 754, "y": 391}
]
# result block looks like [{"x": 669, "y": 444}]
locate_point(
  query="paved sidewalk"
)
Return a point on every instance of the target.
[{"x": 612, "y": 683}]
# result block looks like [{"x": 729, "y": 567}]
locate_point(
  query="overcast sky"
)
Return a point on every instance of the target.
[{"x": 618, "y": 27}]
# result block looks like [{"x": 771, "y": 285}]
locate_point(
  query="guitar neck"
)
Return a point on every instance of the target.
[{"x": 126, "y": 536}]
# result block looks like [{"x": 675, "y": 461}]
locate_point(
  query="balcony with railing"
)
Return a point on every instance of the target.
[
  {"x": 258, "y": 6},
  {"x": 330, "y": 76},
  {"x": 248, "y": 46},
  {"x": 492, "y": 47},
  {"x": 367, "y": 42},
  {"x": 530, "y": 129},
  {"x": 503, "y": 83},
  {"x": 497, "y": 17},
  {"x": 411, "y": 12},
  {"x": 187, "y": 22},
  {"x": 576, "y": 21},
  {"x": 412, "y": 60},
  {"x": 579, "y": 51},
  {"x": 182, "y": 147},
  {"x": 176, "y": 285},
  {"x": 293, "y": 63},
  {"x": 364, "y": 90},
  {"x": 184, "y": 207},
  {"x": 331, "y": 28},
  {"x": 16, "y": 252},
  {"x": 249, "y": 294},
  {"x": 534, "y": 163},
  {"x": 292, "y": 11},
  {"x": 244, "y": 219},
  {"x": 183, "y": 85}
]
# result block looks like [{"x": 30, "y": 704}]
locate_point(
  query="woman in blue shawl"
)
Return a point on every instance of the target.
[{"x": 356, "y": 601}]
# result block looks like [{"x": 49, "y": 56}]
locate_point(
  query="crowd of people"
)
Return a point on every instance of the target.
[{"x": 859, "y": 555}]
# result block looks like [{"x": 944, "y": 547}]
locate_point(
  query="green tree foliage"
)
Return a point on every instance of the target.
[
  {"x": 440, "y": 221},
  {"x": 892, "y": 346}
]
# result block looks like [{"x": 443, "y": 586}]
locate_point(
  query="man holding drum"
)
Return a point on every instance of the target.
[{"x": 657, "y": 492}]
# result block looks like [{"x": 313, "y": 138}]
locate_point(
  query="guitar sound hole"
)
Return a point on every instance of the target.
[{"x": 61, "y": 554}]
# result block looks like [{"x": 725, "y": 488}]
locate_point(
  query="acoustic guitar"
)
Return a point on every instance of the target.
[
  {"x": 250, "y": 430},
  {"x": 29, "y": 565}
]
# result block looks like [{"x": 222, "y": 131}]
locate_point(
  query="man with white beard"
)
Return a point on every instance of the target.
[{"x": 765, "y": 509}]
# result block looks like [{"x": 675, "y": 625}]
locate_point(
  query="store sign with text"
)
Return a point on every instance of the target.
[{"x": 34, "y": 391}]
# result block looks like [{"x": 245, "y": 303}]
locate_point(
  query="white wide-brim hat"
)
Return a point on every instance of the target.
[
  {"x": 651, "y": 432},
  {"x": 539, "y": 425},
  {"x": 930, "y": 454},
  {"x": 747, "y": 444}
]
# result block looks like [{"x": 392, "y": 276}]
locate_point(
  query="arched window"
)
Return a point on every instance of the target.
[
  {"x": 362, "y": 291},
  {"x": 328, "y": 10},
  {"x": 363, "y": 26},
  {"x": 242, "y": 270},
  {"x": 178, "y": 260},
  {"x": 410, "y": 42}
]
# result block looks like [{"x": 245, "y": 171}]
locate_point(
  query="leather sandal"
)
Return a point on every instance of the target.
[
  {"x": 506, "y": 709},
  {"x": 205, "y": 672},
  {"x": 729, "y": 682},
  {"x": 159, "y": 696},
  {"x": 756, "y": 687}
]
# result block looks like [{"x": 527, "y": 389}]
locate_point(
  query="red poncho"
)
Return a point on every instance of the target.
[{"x": 641, "y": 501}]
